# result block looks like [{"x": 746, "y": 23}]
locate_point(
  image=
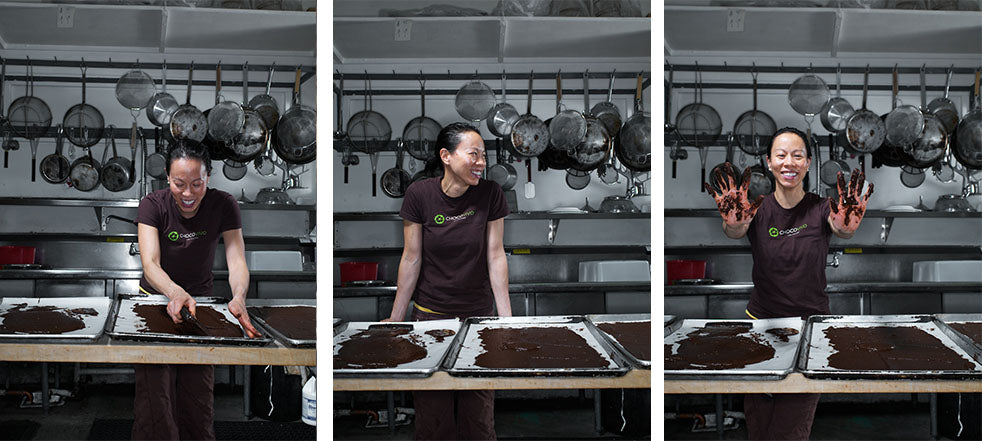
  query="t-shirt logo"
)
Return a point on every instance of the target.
[
  {"x": 439, "y": 219},
  {"x": 772, "y": 232},
  {"x": 173, "y": 236}
]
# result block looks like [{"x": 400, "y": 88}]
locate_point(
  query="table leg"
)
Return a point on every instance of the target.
[
  {"x": 597, "y": 424},
  {"x": 390, "y": 402},
  {"x": 719, "y": 416},
  {"x": 44, "y": 386},
  {"x": 245, "y": 391},
  {"x": 934, "y": 416}
]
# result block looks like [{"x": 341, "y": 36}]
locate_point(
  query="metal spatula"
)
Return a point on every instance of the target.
[
  {"x": 192, "y": 322},
  {"x": 529, "y": 186}
]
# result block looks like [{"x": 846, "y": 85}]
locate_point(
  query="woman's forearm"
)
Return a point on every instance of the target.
[
  {"x": 408, "y": 275},
  {"x": 498, "y": 272},
  {"x": 161, "y": 282}
]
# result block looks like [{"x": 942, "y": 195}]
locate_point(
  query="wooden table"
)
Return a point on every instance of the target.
[
  {"x": 797, "y": 383},
  {"x": 107, "y": 350},
  {"x": 443, "y": 381}
]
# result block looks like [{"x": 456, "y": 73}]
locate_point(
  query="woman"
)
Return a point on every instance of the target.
[
  {"x": 789, "y": 232},
  {"x": 178, "y": 230},
  {"x": 454, "y": 265}
]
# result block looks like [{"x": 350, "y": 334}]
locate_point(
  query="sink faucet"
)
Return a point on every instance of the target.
[{"x": 834, "y": 263}]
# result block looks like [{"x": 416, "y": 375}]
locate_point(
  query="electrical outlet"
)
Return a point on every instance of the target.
[
  {"x": 734, "y": 20},
  {"x": 66, "y": 17},
  {"x": 404, "y": 30}
]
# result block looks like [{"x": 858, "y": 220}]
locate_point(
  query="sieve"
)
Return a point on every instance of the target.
[
  {"x": 30, "y": 117},
  {"x": 368, "y": 127},
  {"x": 135, "y": 89},
  {"x": 474, "y": 100},
  {"x": 83, "y": 123}
]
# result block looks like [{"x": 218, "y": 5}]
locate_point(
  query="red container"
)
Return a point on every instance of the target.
[
  {"x": 685, "y": 269},
  {"x": 16, "y": 255},
  {"x": 353, "y": 271}
]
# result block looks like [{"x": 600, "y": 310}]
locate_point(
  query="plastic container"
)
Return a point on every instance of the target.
[
  {"x": 16, "y": 255},
  {"x": 308, "y": 405},
  {"x": 352, "y": 271},
  {"x": 684, "y": 269}
]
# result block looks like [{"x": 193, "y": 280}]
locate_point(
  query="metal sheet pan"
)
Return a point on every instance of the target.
[
  {"x": 616, "y": 318},
  {"x": 460, "y": 360},
  {"x": 123, "y": 322},
  {"x": 94, "y": 325},
  {"x": 775, "y": 368},
  {"x": 813, "y": 359},
  {"x": 671, "y": 324},
  {"x": 276, "y": 332},
  {"x": 435, "y": 351},
  {"x": 948, "y": 319}
]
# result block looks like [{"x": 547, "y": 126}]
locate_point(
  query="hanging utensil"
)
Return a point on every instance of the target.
[
  {"x": 568, "y": 126},
  {"x": 929, "y": 147},
  {"x": 156, "y": 163},
  {"x": 555, "y": 157},
  {"x": 832, "y": 167},
  {"x": 576, "y": 179},
  {"x": 865, "y": 130},
  {"x": 217, "y": 150},
  {"x": 808, "y": 95},
  {"x": 395, "y": 180},
  {"x": 911, "y": 177},
  {"x": 726, "y": 170},
  {"x": 597, "y": 144},
  {"x": 373, "y": 157},
  {"x": 607, "y": 111},
  {"x": 703, "y": 153},
  {"x": 234, "y": 170},
  {"x": 266, "y": 105},
  {"x": 227, "y": 117},
  {"x": 968, "y": 134},
  {"x": 502, "y": 116},
  {"x": 297, "y": 130},
  {"x": 135, "y": 89},
  {"x": 163, "y": 105},
  {"x": 502, "y": 172},
  {"x": 529, "y": 135},
  {"x": 633, "y": 146},
  {"x": 754, "y": 128},
  {"x": 84, "y": 174},
  {"x": 474, "y": 100},
  {"x": 889, "y": 154},
  {"x": 905, "y": 122},
  {"x": 251, "y": 139},
  {"x": 30, "y": 117},
  {"x": 368, "y": 127},
  {"x": 55, "y": 167},
  {"x": 529, "y": 186},
  {"x": 944, "y": 108},
  {"x": 83, "y": 123},
  {"x": 115, "y": 173},
  {"x": 421, "y": 132},
  {"x": 8, "y": 142},
  {"x": 188, "y": 122},
  {"x": 837, "y": 110},
  {"x": 698, "y": 120}
]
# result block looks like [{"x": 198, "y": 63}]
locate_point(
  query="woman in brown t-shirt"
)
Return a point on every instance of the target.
[
  {"x": 454, "y": 265},
  {"x": 789, "y": 232}
]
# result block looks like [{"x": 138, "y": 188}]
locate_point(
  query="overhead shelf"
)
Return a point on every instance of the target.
[
  {"x": 693, "y": 30},
  {"x": 491, "y": 39},
  {"x": 32, "y": 26}
]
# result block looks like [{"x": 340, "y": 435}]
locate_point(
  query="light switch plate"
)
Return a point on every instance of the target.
[
  {"x": 66, "y": 17},
  {"x": 404, "y": 30},
  {"x": 734, "y": 20}
]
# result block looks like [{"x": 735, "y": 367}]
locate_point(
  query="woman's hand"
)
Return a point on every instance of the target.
[
  {"x": 238, "y": 309},
  {"x": 177, "y": 302},
  {"x": 733, "y": 202},
  {"x": 848, "y": 211}
]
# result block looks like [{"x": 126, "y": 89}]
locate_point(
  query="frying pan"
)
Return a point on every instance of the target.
[
  {"x": 84, "y": 174},
  {"x": 930, "y": 145},
  {"x": 837, "y": 110},
  {"x": 968, "y": 135},
  {"x": 697, "y": 119},
  {"x": 156, "y": 163},
  {"x": 633, "y": 147},
  {"x": 83, "y": 122},
  {"x": 834, "y": 165},
  {"x": 474, "y": 100},
  {"x": 217, "y": 150},
  {"x": 529, "y": 135},
  {"x": 54, "y": 167},
  {"x": 251, "y": 139},
  {"x": 608, "y": 112},
  {"x": 502, "y": 171},
  {"x": 753, "y": 128},
  {"x": 135, "y": 89},
  {"x": 761, "y": 180},
  {"x": 502, "y": 116},
  {"x": 265, "y": 104},
  {"x": 421, "y": 132},
  {"x": 297, "y": 130},
  {"x": 227, "y": 117},
  {"x": 904, "y": 123},
  {"x": 596, "y": 144},
  {"x": 865, "y": 130},
  {"x": 944, "y": 108},
  {"x": 117, "y": 171},
  {"x": 163, "y": 105},
  {"x": 721, "y": 172},
  {"x": 30, "y": 117},
  {"x": 568, "y": 126},
  {"x": 889, "y": 154},
  {"x": 234, "y": 170},
  {"x": 188, "y": 122},
  {"x": 395, "y": 180},
  {"x": 555, "y": 157}
]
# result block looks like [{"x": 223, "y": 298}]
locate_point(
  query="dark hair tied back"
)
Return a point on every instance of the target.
[
  {"x": 188, "y": 149},
  {"x": 804, "y": 138},
  {"x": 449, "y": 137}
]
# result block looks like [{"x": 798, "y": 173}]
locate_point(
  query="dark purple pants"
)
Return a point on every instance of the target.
[
  {"x": 174, "y": 401},
  {"x": 453, "y": 414},
  {"x": 779, "y": 416}
]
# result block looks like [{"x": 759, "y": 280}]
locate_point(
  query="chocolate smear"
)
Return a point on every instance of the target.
[
  {"x": 379, "y": 348},
  {"x": 296, "y": 322},
  {"x": 782, "y": 333},
  {"x": 633, "y": 336},
  {"x": 972, "y": 330},
  {"x": 891, "y": 348},
  {"x": 156, "y": 321},
  {"x": 536, "y": 347},
  {"x": 440, "y": 334},
  {"x": 717, "y": 348},
  {"x": 23, "y": 319}
]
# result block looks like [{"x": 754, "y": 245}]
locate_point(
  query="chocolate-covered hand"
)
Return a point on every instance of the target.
[
  {"x": 237, "y": 307},
  {"x": 849, "y": 210},
  {"x": 733, "y": 202}
]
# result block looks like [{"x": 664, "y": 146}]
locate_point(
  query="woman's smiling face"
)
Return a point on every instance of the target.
[
  {"x": 467, "y": 161},
  {"x": 788, "y": 160},
  {"x": 188, "y": 183}
]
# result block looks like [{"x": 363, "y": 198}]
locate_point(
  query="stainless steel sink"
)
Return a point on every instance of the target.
[{"x": 948, "y": 271}]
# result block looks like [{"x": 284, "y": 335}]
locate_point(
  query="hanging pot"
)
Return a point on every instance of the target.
[
  {"x": 633, "y": 146},
  {"x": 83, "y": 123},
  {"x": 227, "y": 117},
  {"x": 251, "y": 139},
  {"x": 837, "y": 110},
  {"x": 832, "y": 167},
  {"x": 395, "y": 180},
  {"x": 944, "y": 108},
  {"x": 265, "y": 104},
  {"x": 421, "y": 132},
  {"x": 156, "y": 163},
  {"x": 297, "y": 130},
  {"x": 597, "y": 144},
  {"x": 865, "y": 130},
  {"x": 55, "y": 167},
  {"x": 84, "y": 174},
  {"x": 502, "y": 116},
  {"x": 116, "y": 172},
  {"x": 529, "y": 135},
  {"x": 188, "y": 122},
  {"x": 968, "y": 134},
  {"x": 502, "y": 172},
  {"x": 698, "y": 120},
  {"x": 754, "y": 128},
  {"x": 904, "y": 123},
  {"x": 163, "y": 105},
  {"x": 929, "y": 147},
  {"x": 607, "y": 111},
  {"x": 568, "y": 126}
]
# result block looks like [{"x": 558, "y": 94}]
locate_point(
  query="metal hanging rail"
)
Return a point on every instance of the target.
[
  {"x": 495, "y": 78},
  {"x": 819, "y": 69},
  {"x": 782, "y": 86}
]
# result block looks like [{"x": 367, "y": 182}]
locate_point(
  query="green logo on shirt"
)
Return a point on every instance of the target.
[
  {"x": 439, "y": 219},
  {"x": 772, "y": 232},
  {"x": 173, "y": 236}
]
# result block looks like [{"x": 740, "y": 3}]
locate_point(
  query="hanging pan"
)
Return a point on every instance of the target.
[
  {"x": 55, "y": 167},
  {"x": 84, "y": 174},
  {"x": 837, "y": 110},
  {"x": 698, "y": 120},
  {"x": 944, "y": 108},
  {"x": 529, "y": 135},
  {"x": 163, "y": 105},
  {"x": 297, "y": 130},
  {"x": 474, "y": 100},
  {"x": 368, "y": 128},
  {"x": 227, "y": 117},
  {"x": 502, "y": 116},
  {"x": 832, "y": 167},
  {"x": 929, "y": 147},
  {"x": 502, "y": 172},
  {"x": 265, "y": 104},
  {"x": 83, "y": 123},
  {"x": 754, "y": 128},
  {"x": 395, "y": 180},
  {"x": 553, "y": 156},
  {"x": 118, "y": 173},
  {"x": 135, "y": 89},
  {"x": 596, "y": 145},
  {"x": 889, "y": 154},
  {"x": 188, "y": 122},
  {"x": 420, "y": 132},
  {"x": 568, "y": 127},
  {"x": 249, "y": 143},
  {"x": 607, "y": 111},
  {"x": 968, "y": 135},
  {"x": 904, "y": 123},
  {"x": 30, "y": 117},
  {"x": 217, "y": 150},
  {"x": 865, "y": 130},
  {"x": 633, "y": 147},
  {"x": 156, "y": 163}
]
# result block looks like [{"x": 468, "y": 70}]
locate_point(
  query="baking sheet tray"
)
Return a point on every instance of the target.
[
  {"x": 813, "y": 359},
  {"x": 124, "y": 323},
  {"x": 775, "y": 368},
  {"x": 435, "y": 351},
  {"x": 949, "y": 319},
  {"x": 671, "y": 324},
  {"x": 94, "y": 325},
  {"x": 461, "y": 359},
  {"x": 272, "y": 330},
  {"x": 615, "y": 318}
]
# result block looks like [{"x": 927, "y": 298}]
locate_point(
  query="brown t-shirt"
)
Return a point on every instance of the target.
[
  {"x": 789, "y": 248},
  {"x": 187, "y": 246},
  {"x": 453, "y": 277}
]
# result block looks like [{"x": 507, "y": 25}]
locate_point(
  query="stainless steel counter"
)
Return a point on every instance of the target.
[
  {"x": 906, "y": 287},
  {"x": 96, "y": 273},
  {"x": 514, "y": 288}
]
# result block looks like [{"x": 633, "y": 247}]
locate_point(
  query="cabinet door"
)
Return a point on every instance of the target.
[
  {"x": 562, "y": 303},
  {"x": 961, "y": 302},
  {"x": 628, "y": 302},
  {"x": 683, "y": 307},
  {"x": 904, "y": 303},
  {"x": 71, "y": 288},
  {"x": 358, "y": 309}
]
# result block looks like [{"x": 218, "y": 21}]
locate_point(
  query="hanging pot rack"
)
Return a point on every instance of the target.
[{"x": 495, "y": 77}]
